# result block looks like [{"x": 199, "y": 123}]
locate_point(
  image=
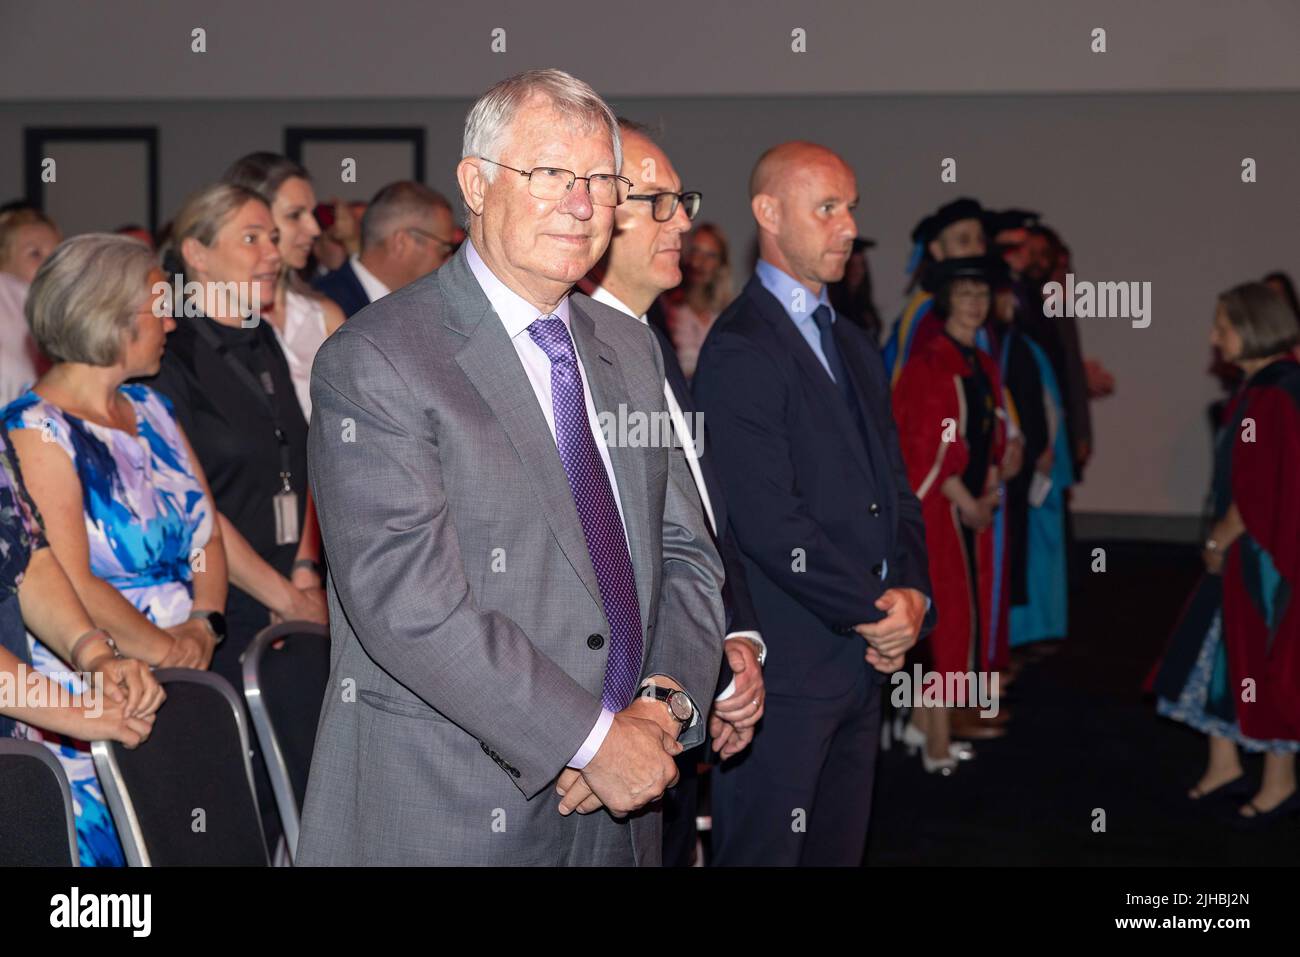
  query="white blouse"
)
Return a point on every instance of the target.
[{"x": 304, "y": 331}]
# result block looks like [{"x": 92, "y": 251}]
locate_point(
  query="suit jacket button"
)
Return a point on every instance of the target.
[
  {"x": 878, "y": 570},
  {"x": 595, "y": 642},
  {"x": 874, "y": 510}
]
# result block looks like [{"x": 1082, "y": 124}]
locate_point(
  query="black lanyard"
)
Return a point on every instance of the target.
[{"x": 264, "y": 391}]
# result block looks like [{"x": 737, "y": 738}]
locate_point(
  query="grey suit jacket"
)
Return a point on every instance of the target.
[{"x": 469, "y": 638}]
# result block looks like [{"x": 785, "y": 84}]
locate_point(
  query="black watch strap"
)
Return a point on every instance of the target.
[
  {"x": 215, "y": 620},
  {"x": 664, "y": 694}
]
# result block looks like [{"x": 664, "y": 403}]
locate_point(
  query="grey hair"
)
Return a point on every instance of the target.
[
  {"x": 488, "y": 124},
  {"x": 83, "y": 299},
  {"x": 396, "y": 205},
  {"x": 1262, "y": 318}
]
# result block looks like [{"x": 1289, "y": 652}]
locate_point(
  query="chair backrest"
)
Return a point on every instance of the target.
[
  {"x": 38, "y": 827},
  {"x": 286, "y": 671},
  {"x": 185, "y": 796}
]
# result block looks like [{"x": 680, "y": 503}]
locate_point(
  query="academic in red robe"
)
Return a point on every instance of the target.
[
  {"x": 930, "y": 407},
  {"x": 1261, "y": 572}
]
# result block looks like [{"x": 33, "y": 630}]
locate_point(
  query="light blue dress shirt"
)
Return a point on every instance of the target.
[{"x": 792, "y": 294}]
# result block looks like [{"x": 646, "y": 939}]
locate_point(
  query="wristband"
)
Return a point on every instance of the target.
[
  {"x": 94, "y": 633},
  {"x": 308, "y": 564}
]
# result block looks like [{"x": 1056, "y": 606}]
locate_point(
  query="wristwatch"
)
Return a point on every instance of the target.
[
  {"x": 678, "y": 702},
  {"x": 215, "y": 620},
  {"x": 311, "y": 566}
]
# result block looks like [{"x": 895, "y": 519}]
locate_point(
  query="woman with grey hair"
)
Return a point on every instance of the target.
[
  {"x": 127, "y": 509},
  {"x": 1232, "y": 670}
]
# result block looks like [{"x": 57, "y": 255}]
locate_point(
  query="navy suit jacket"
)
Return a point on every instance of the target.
[
  {"x": 343, "y": 286},
  {"x": 735, "y": 588},
  {"x": 824, "y": 517}
]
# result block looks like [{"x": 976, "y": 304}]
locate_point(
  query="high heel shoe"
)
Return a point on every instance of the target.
[
  {"x": 945, "y": 766},
  {"x": 913, "y": 739}
]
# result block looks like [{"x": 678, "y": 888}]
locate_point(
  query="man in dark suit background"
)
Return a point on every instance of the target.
[
  {"x": 831, "y": 536},
  {"x": 406, "y": 233},
  {"x": 643, "y": 261}
]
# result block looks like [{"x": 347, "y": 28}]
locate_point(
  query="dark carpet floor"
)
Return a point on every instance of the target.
[{"x": 1082, "y": 737}]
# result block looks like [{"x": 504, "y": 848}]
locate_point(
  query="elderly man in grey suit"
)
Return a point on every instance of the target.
[{"x": 521, "y": 606}]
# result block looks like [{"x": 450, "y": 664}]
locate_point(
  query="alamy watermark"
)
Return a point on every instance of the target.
[
  {"x": 637, "y": 429},
  {"x": 216, "y": 300},
  {"x": 951, "y": 689},
  {"x": 29, "y": 688},
  {"x": 1101, "y": 300}
]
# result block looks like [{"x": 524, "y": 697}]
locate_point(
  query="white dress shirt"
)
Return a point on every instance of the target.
[
  {"x": 369, "y": 281},
  {"x": 603, "y": 295}
]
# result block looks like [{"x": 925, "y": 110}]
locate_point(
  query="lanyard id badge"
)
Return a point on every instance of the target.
[
  {"x": 286, "y": 513},
  {"x": 262, "y": 386}
]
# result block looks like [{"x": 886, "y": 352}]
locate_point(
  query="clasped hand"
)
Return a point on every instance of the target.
[
  {"x": 633, "y": 766},
  {"x": 889, "y": 639}
]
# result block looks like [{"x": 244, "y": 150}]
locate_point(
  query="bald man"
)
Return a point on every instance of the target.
[{"x": 796, "y": 403}]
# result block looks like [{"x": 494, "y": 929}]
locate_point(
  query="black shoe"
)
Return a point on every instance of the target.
[
  {"x": 1238, "y": 787},
  {"x": 1262, "y": 819}
]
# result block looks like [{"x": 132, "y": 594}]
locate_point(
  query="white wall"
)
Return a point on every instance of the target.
[
  {"x": 1143, "y": 186},
  {"x": 125, "y": 49}
]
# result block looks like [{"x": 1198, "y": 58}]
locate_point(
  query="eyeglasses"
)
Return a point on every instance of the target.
[
  {"x": 546, "y": 182},
  {"x": 448, "y": 245},
  {"x": 665, "y": 204}
]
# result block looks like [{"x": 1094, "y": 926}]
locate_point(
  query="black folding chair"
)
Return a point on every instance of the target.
[
  {"x": 286, "y": 671},
  {"x": 38, "y": 827},
  {"x": 186, "y": 796}
]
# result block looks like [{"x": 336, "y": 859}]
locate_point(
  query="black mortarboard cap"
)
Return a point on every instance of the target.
[
  {"x": 995, "y": 221},
  {"x": 959, "y": 209}
]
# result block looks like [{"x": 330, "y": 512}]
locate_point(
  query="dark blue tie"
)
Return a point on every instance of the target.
[{"x": 825, "y": 320}]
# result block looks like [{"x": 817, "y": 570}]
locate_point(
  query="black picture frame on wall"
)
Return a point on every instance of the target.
[
  {"x": 296, "y": 137},
  {"x": 36, "y": 140}
]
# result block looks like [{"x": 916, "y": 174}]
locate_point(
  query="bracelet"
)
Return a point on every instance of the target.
[
  {"x": 99, "y": 633},
  {"x": 1211, "y": 545},
  {"x": 308, "y": 564}
]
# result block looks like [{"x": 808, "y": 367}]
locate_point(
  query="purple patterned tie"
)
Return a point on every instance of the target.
[{"x": 597, "y": 510}]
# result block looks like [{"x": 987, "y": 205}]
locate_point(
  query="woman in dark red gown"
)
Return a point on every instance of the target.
[
  {"x": 1244, "y": 691},
  {"x": 947, "y": 405}
]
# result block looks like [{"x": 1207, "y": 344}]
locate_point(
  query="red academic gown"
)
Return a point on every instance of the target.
[
  {"x": 929, "y": 392},
  {"x": 1261, "y": 572}
]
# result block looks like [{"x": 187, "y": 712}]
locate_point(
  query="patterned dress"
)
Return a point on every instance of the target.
[
  {"x": 21, "y": 534},
  {"x": 146, "y": 515}
]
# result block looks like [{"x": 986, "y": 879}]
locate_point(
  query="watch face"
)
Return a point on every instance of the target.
[
  {"x": 218, "y": 622},
  {"x": 680, "y": 705}
]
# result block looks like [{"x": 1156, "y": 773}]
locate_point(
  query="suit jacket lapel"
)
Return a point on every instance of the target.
[
  {"x": 492, "y": 366},
  {"x": 609, "y": 392},
  {"x": 682, "y": 393},
  {"x": 860, "y": 378},
  {"x": 354, "y": 283},
  {"x": 814, "y": 372}
]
